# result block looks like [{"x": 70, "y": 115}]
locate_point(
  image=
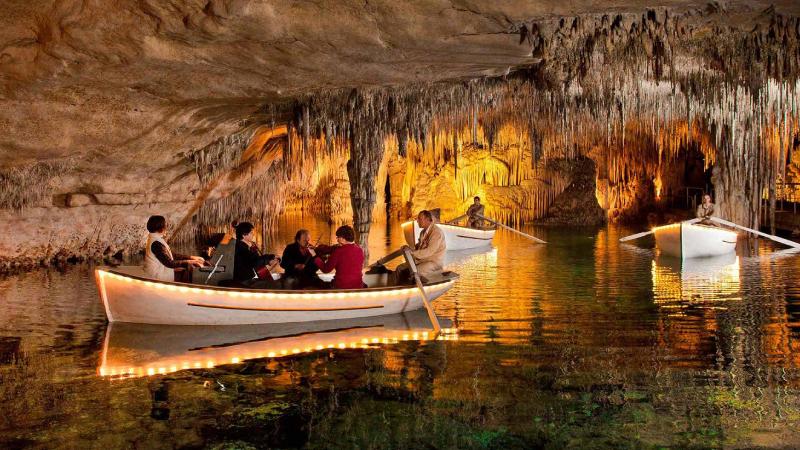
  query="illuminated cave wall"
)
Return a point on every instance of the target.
[
  {"x": 635, "y": 92},
  {"x": 647, "y": 169},
  {"x": 445, "y": 171},
  {"x": 449, "y": 170},
  {"x": 496, "y": 139}
]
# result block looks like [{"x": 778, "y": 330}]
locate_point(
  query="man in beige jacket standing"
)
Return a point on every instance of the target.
[{"x": 429, "y": 252}]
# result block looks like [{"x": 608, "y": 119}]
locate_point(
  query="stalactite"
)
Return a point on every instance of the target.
[
  {"x": 599, "y": 90},
  {"x": 27, "y": 185}
]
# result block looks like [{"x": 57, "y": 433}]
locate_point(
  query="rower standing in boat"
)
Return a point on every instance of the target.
[
  {"x": 298, "y": 262},
  {"x": 705, "y": 211},
  {"x": 347, "y": 259},
  {"x": 474, "y": 212},
  {"x": 159, "y": 261},
  {"x": 428, "y": 253}
]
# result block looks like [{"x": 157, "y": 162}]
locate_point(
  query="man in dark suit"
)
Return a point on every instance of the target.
[{"x": 298, "y": 262}]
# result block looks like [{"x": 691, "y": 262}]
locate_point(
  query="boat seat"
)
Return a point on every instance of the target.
[{"x": 224, "y": 270}]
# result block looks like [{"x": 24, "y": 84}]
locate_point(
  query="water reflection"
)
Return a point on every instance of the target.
[
  {"x": 679, "y": 283},
  {"x": 578, "y": 343},
  {"x": 135, "y": 350}
]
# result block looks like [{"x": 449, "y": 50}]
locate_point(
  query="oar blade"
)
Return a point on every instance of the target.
[
  {"x": 635, "y": 236},
  {"x": 781, "y": 240},
  {"x": 533, "y": 238}
]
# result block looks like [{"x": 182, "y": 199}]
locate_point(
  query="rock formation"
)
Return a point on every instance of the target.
[
  {"x": 207, "y": 111},
  {"x": 577, "y": 204}
]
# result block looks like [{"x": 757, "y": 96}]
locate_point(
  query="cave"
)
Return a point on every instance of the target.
[
  {"x": 633, "y": 91},
  {"x": 577, "y": 123}
]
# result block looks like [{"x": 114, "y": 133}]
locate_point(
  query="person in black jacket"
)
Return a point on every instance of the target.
[
  {"x": 298, "y": 262},
  {"x": 248, "y": 260}
]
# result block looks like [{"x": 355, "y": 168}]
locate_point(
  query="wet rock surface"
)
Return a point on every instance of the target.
[{"x": 577, "y": 205}]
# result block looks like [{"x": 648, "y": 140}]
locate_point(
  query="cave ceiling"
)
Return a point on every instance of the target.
[
  {"x": 139, "y": 82},
  {"x": 206, "y": 111}
]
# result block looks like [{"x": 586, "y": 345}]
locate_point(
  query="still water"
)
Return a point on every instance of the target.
[{"x": 581, "y": 343}]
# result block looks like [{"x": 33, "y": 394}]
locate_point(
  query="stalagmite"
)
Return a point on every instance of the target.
[{"x": 366, "y": 153}]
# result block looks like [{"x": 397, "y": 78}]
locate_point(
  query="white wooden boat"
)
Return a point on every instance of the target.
[
  {"x": 684, "y": 240},
  {"x": 456, "y": 237},
  {"x": 128, "y": 296},
  {"x": 135, "y": 350}
]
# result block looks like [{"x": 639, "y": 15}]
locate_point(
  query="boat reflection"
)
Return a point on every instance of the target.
[
  {"x": 678, "y": 283},
  {"x": 136, "y": 350}
]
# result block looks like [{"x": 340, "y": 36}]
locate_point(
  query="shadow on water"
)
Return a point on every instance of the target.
[{"x": 580, "y": 343}]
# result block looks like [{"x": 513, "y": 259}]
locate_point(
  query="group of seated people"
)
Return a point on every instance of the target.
[{"x": 301, "y": 260}]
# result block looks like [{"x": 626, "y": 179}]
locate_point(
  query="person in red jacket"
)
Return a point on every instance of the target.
[{"x": 347, "y": 259}]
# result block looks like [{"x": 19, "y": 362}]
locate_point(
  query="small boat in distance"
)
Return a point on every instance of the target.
[
  {"x": 688, "y": 240},
  {"x": 136, "y": 350},
  {"x": 128, "y": 296},
  {"x": 456, "y": 237}
]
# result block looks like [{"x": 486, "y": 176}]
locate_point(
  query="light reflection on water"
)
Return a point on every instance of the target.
[{"x": 580, "y": 340}]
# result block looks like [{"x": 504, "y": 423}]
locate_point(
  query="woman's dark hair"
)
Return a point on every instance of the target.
[
  {"x": 346, "y": 232},
  {"x": 300, "y": 234},
  {"x": 243, "y": 228},
  {"x": 156, "y": 224}
]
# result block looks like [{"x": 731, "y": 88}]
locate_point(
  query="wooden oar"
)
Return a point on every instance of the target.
[
  {"x": 395, "y": 254},
  {"x": 431, "y": 315},
  {"x": 456, "y": 219},
  {"x": 535, "y": 239},
  {"x": 783, "y": 241},
  {"x": 645, "y": 233}
]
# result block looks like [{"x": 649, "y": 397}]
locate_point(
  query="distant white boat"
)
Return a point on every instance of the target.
[
  {"x": 684, "y": 240},
  {"x": 456, "y": 237},
  {"x": 135, "y": 350},
  {"x": 128, "y": 296}
]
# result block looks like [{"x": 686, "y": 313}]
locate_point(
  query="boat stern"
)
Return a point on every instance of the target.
[{"x": 410, "y": 232}]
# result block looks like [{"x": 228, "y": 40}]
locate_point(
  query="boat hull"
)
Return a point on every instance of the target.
[
  {"x": 683, "y": 240},
  {"x": 129, "y": 297},
  {"x": 455, "y": 237}
]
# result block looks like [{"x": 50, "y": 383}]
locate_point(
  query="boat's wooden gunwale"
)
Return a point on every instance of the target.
[{"x": 266, "y": 291}]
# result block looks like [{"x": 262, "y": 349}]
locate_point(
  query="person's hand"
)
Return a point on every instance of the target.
[
  {"x": 195, "y": 263},
  {"x": 312, "y": 252},
  {"x": 197, "y": 258},
  {"x": 274, "y": 261},
  {"x": 299, "y": 266}
]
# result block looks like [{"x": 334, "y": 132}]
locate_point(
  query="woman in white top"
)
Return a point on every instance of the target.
[{"x": 159, "y": 261}]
